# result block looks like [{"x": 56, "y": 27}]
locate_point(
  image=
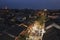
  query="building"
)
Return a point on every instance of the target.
[{"x": 52, "y": 30}]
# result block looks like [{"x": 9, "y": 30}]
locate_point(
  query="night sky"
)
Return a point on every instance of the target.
[{"x": 34, "y": 4}]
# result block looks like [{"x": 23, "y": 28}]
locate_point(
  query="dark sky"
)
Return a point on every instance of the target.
[{"x": 35, "y": 4}]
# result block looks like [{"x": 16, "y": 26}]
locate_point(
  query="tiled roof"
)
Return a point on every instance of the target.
[
  {"x": 49, "y": 22},
  {"x": 52, "y": 34},
  {"x": 15, "y": 30}
]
